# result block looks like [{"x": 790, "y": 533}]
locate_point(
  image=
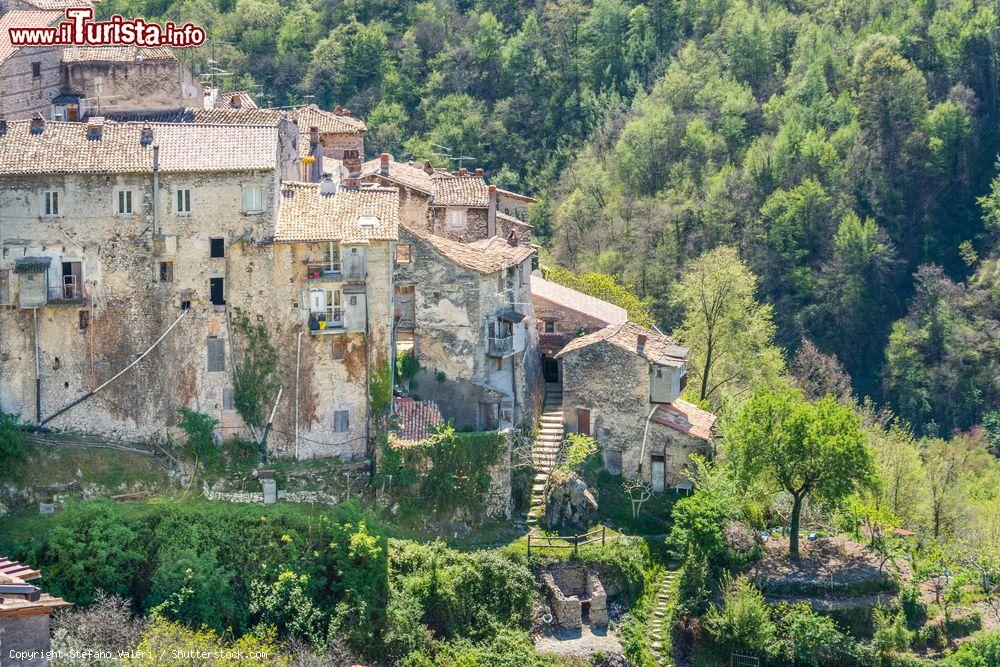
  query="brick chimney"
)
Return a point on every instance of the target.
[
  {"x": 352, "y": 161},
  {"x": 146, "y": 137},
  {"x": 491, "y": 212},
  {"x": 384, "y": 163},
  {"x": 95, "y": 128},
  {"x": 313, "y": 136},
  {"x": 479, "y": 172},
  {"x": 428, "y": 169},
  {"x": 338, "y": 110},
  {"x": 236, "y": 101},
  {"x": 642, "y": 338},
  {"x": 462, "y": 172}
]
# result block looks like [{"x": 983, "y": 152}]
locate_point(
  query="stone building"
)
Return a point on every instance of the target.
[
  {"x": 564, "y": 314},
  {"x": 622, "y": 384},
  {"x": 24, "y": 616},
  {"x": 30, "y": 76},
  {"x": 467, "y": 310}
]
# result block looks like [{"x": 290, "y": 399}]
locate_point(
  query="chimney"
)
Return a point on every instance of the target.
[
  {"x": 491, "y": 212},
  {"x": 146, "y": 137},
  {"x": 384, "y": 166},
  {"x": 463, "y": 172},
  {"x": 351, "y": 183},
  {"x": 37, "y": 125},
  {"x": 3, "y": 126},
  {"x": 352, "y": 161},
  {"x": 428, "y": 169},
  {"x": 327, "y": 187},
  {"x": 338, "y": 110},
  {"x": 512, "y": 239},
  {"x": 95, "y": 128},
  {"x": 479, "y": 172},
  {"x": 313, "y": 135},
  {"x": 641, "y": 342},
  {"x": 236, "y": 101}
]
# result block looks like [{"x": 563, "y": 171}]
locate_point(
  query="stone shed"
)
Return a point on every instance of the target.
[
  {"x": 24, "y": 615},
  {"x": 577, "y": 596}
]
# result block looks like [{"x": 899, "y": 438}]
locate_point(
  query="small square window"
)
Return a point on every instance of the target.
[
  {"x": 124, "y": 206},
  {"x": 217, "y": 291},
  {"x": 354, "y": 300},
  {"x": 185, "y": 304},
  {"x": 252, "y": 199},
  {"x": 217, "y": 248},
  {"x": 36, "y": 70},
  {"x": 166, "y": 272},
  {"x": 403, "y": 253},
  {"x": 457, "y": 219},
  {"x": 183, "y": 201},
  {"x": 83, "y": 319},
  {"x": 341, "y": 421},
  {"x": 51, "y": 202},
  {"x": 550, "y": 327}
]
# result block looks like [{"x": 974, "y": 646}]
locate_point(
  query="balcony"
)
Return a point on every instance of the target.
[
  {"x": 68, "y": 294},
  {"x": 500, "y": 347},
  {"x": 324, "y": 271},
  {"x": 329, "y": 321}
]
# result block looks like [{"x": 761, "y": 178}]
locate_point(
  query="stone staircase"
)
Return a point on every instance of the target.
[
  {"x": 659, "y": 622},
  {"x": 545, "y": 449}
]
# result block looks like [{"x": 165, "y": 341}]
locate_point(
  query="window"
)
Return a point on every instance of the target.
[
  {"x": 166, "y": 272},
  {"x": 185, "y": 304},
  {"x": 216, "y": 355},
  {"x": 228, "y": 399},
  {"x": 550, "y": 327},
  {"x": 124, "y": 206},
  {"x": 252, "y": 199},
  {"x": 403, "y": 255},
  {"x": 83, "y": 319},
  {"x": 217, "y": 291},
  {"x": 456, "y": 219},
  {"x": 51, "y": 202},
  {"x": 183, "y": 201},
  {"x": 36, "y": 70},
  {"x": 341, "y": 421},
  {"x": 338, "y": 349},
  {"x": 217, "y": 248},
  {"x": 684, "y": 380}
]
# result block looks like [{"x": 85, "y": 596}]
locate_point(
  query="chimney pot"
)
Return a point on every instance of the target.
[
  {"x": 339, "y": 110},
  {"x": 428, "y": 169},
  {"x": 463, "y": 172},
  {"x": 642, "y": 340},
  {"x": 492, "y": 189},
  {"x": 236, "y": 101},
  {"x": 95, "y": 128},
  {"x": 384, "y": 159},
  {"x": 479, "y": 172},
  {"x": 352, "y": 161}
]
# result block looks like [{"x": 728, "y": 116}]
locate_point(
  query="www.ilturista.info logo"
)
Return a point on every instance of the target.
[{"x": 81, "y": 30}]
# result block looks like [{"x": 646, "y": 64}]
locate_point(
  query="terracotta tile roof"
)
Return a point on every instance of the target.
[
  {"x": 22, "y": 19},
  {"x": 246, "y": 102},
  {"x": 415, "y": 419},
  {"x": 306, "y": 216},
  {"x": 64, "y": 148},
  {"x": 328, "y": 122},
  {"x": 58, "y": 5},
  {"x": 403, "y": 173},
  {"x": 460, "y": 191},
  {"x": 687, "y": 418},
  {"x": 514, "y": 221},
  {"x": 12, "y": 572},
  {"x": 16, "y": 603},
  {"x": 516, "y": 195},
  {"x": 658, "y": 349},
  {"x": 486, "y": 256},
  {"x": 579, "y": 302},
  {"x": 116, "y": 54}
]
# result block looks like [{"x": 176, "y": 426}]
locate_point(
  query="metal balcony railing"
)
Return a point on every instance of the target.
[
  {"x": 68, "y": 293},
  {"x": 329, "y": 320},
  {"x": 323, "y": 270},
  {"x": 500, "y": 347}
]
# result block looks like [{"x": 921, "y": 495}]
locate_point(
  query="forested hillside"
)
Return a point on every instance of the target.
[{"x": 845, "y": 148}]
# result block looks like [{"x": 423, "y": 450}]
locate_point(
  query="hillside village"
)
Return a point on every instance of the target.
[{"x": 361, "y": 369}]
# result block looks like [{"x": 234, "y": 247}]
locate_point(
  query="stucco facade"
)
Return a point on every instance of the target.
[{"x": 134, "y": 85}]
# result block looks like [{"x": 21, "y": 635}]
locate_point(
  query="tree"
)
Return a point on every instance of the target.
[
  {"x": 731, "y": 336},
  {"x": 805, "y": 449},
  {"x": 13, "y": 447},
  {"x": 607, "y": 288}
]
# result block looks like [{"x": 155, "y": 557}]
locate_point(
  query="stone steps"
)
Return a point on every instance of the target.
[
  {"x": 545, "y": 451},
  {"x": 659, "y": 633}
]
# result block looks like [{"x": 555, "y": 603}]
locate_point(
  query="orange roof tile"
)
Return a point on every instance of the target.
[
  {"x": 687, "y": 418},
  {"x": 658, "y": 349}
]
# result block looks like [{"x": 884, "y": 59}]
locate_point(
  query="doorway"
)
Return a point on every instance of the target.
[
  {"x": 658, "y": 470},
  {"x": 583, "y": 421},
  {"x": 550, "y": 369}
]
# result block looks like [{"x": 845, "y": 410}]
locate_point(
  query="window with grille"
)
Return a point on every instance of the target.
[
  {"x": 124, "y": 202},
  {"x": 166, "y": 272},
  {"x": 252, "y": 199},
  {"x": 51, "y": 202},
  {"x": 341, "y": 421},
  {"x": 183, "y": 201},
  {"x": 216, "y": 355},
  {"x": 228, "y": 399}
]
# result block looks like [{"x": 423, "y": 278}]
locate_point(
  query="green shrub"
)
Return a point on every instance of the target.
[
  {"x": 891, "y": 636},
  {"x": 199, "y": 444},
  {"x": 743, "y": 624},
  {"x": 407, "y": 368},
  {"x": 809, "y": 638},
  {"x": 914, "y": 608},
  {"x": 982, "y": 650},
  {"x": 284, "y": 604},
  {"x": 13, "y": 446},
  {"x": 577, "y": 449}
]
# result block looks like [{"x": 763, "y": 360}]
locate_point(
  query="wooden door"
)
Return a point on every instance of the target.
[
  {"x": 583, "y": 421},
  {"x": 658, "y": 470}
]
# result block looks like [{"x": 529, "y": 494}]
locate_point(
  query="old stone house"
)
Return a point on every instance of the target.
[
  {"x": 30, "y": 77},
  {"x": 24, "y": 616},
  {"x": 564, "y": 314},
  {"x": 467, "y": 310},
  {"x": 622, "y": 384}
]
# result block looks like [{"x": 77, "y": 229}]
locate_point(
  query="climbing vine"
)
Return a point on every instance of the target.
[
  {"x": 255, "y": 370},
  {"x": 447, "y": 471}
]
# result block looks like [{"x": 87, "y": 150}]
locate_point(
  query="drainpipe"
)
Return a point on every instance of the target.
[
  {"x": 156, "y": 192},
  {"x": 298, "y": 360},
  {"x": 368, "y": 382},
  {"x": 38, "y": 372},
  {"x": 642, "y": 451}
]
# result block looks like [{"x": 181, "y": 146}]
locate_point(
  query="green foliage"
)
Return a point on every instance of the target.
[
  {"x": 576, "y": 450},
  {"x": 199, "y": 444},
  {"x": 167, "y": 643},
  {"x": 807, "y": 449},
  {"x": 13, "y": 446},
  {"x": 982, "y": 651},
  {"x": 509, "y": 648},
  {"x": 407, "y": 367},
  {"x": 606, "y": 288},
  {"x": 447, "y": 471},
  {"x": 743, "y": 624},
  {"x": 380, "y": 392},
  {"x": 891, "y": 635},
  {"x": 256, "y": 377},
  {"x": 285, "y": 605},
  {"x": 809, "y": 638}
]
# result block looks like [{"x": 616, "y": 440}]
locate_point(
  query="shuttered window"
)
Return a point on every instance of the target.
[
  {"x": 216, "y": 355},
  {"x": 341, "y": 421}
]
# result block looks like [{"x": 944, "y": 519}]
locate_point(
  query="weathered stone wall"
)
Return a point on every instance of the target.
[
  {"x": 334, "y": 144},
  {"x": 476, "y": 227},
  {"x": 23, "y": 96},
  {"x": 148, "y": 85},
  {"x": 565, "y": 320},
  {"x": 27, "y": 636},
  {"x": 614, "y": 385}
]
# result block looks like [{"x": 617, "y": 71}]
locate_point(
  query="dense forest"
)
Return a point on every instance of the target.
[{"x": 845, "y": 148}]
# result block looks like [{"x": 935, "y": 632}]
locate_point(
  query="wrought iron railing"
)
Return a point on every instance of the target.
[
  {"x": 499, "y": 347},
  {"x": 68, "y": 293}
]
